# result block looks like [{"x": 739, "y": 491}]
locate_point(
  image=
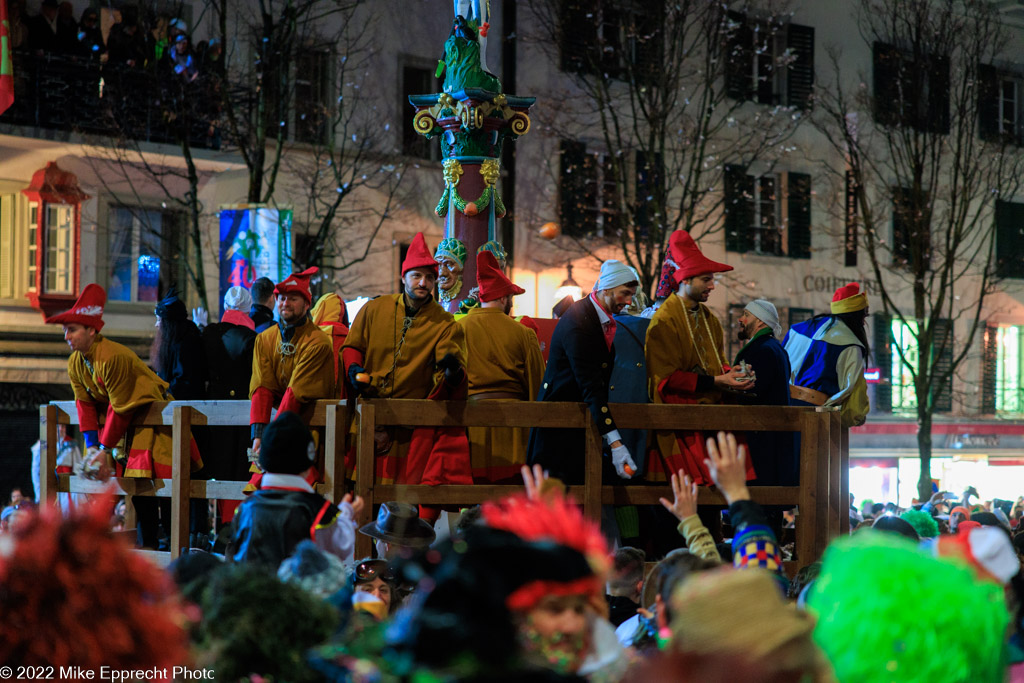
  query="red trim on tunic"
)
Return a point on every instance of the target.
[
  {"x": 88, "y": 420},
  {"x": 260, "y": 405},
  {"x": 289, "y": 404},
  {"x": 115, "y": 427}
]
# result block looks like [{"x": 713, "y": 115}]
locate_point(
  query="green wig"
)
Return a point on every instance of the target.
[
  {"x": 888, "y": 611},
  {"x": 923, "y": 523}
]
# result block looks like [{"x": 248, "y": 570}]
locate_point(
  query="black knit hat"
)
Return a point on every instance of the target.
[{"x": 287, "y": 446}]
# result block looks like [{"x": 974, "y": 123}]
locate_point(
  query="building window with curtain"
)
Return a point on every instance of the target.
[
  {"x": 145, "y": 252},
  {"x": 59, "y": 229}
]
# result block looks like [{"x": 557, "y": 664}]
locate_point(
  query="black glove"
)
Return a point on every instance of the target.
[
  {"x": 452, "y": 369},
  {"x": 354, "y": 370}
]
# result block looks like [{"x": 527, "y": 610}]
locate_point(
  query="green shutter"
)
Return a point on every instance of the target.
[
  {"x": 572, "y": 186},
  {"x": 1009, "y": 238},
  {"x": 577, "y": 23},
  {"x": 942, "y": 343},
  {"x": 885, "y": 75},
  {"x": 739, "y": 57},
  {"x": 800, "y": 80},
  {"x": 738, "y": 207},
  {"x": 990, "y": 355},
  {"x": 799, "y": 208},
  {"x": 882, "y": 344},
  {"x": 988, "y": 102}
]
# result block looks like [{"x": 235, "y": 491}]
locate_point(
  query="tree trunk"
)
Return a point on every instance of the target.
[{"x": 924, "y": 449}]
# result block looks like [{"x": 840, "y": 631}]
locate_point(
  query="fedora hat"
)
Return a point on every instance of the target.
[{"x": 400, "y": 523}]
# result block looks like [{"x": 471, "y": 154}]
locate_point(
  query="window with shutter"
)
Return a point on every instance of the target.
[
  {"x": 882, "y": 346},
  {"x": 1009, "y": 236},
  {"x": 759, "y": 221},
  {"x": 769, "y": 63},
  {"x": 588, "y": 192},
  {"x": 612, "y": 38},
  {"x": 417, "y": 81},
  {"x": 911, "y": 90},
  {"x": 6, "y": 246},
  {"x": 1000, "y": 105}
]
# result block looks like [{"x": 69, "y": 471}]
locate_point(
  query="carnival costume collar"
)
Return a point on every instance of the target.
[{"x": 286, "y": 347}]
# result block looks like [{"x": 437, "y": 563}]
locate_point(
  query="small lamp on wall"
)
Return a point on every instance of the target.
[{"x": 569, "y": 286}]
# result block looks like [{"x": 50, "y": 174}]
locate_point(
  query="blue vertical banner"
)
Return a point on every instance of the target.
[{"x": 255, "y": 242}]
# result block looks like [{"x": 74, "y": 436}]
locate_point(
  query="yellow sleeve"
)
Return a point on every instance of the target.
[
  {"x": 313, "y": 372},
  {"x": 661, "y": 340},
  {"x": 452, "y": 340},
  {"x": 534, "y": 364},
  {"x": 258, "y": 365}
]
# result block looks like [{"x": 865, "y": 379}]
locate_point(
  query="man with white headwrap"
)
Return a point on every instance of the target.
[
  {"x": 579, "y": 370},
  {"x": 774, "y": 454},
  {"x": 228, "y": 346}
]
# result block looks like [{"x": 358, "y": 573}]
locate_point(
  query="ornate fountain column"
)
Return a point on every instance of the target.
[{"x": 473, "y": 118}]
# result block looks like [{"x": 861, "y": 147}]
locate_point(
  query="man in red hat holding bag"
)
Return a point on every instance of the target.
[
  {"x": 505, "y": 364},
  {"x": 827, "y": 354},
  {"x": 406, "y": 346},
  {"x": 685, "y": 354},
  {"x": 103, "y": 372},
  {"x": 292, "y": 362}
]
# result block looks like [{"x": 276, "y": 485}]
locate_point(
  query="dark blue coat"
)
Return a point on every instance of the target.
[
  {"x": 774, "y": 454},
  {"x": 579, "y": 370},
  {"x": 629, "y": 378}
]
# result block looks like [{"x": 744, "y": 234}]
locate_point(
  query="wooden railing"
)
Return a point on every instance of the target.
[{"x": 822, "y": 496}]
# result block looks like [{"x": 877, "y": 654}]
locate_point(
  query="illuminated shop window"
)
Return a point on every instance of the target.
[{"x": 1008, "y": 370}]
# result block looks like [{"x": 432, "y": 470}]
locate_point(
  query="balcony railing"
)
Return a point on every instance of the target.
[{"x": 78, "y": 95}]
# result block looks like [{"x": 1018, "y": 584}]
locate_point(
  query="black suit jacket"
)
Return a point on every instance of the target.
[
  {"x": 579, "y": 370},
  {"x": 774, "y": 454}
]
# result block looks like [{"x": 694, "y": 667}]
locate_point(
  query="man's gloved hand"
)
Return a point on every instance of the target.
[
  {"x": 356, "y": 376},
  {"x": 452, "y": 368},
  {"x": 623, "y": 461},
  {"x": 200, "y": 316}
]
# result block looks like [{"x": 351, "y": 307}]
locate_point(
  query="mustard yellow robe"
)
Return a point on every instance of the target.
[
  {"x": 111, "y": 375},
  {"x": 504, "y": 356},
  {"x": 401, "y": 355}
]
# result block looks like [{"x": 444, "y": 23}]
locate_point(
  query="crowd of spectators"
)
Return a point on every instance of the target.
[
  {"x": 58, "y": 58},
  {"x": 527, "y": 588}
]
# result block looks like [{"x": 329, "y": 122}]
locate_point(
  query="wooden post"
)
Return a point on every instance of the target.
[
  {"x": 806, "y": 528},
  {"x": 821, "y": 501},
  {"x": 181, "y": 479},
  {"x": 365, "y": 453},
  {"x": 335, "y": 447},
  {"x": 592, "y": 472},
  {"x": 47, "y": 454},
  {"x": 844, "y": 482},
  {"x": 835, "y": 475}
]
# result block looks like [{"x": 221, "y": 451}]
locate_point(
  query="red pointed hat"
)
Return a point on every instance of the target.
[
  {"x": 688, "y": 259},
  {"x": 419, "y": 257},
  {"x": 88, "y": 310},
  {"x": 297, "y": 283},
  {"x": 493, "y": 283}
]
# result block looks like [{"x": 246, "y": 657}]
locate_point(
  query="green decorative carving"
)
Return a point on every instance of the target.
[{"x": 462, "y": 60}]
